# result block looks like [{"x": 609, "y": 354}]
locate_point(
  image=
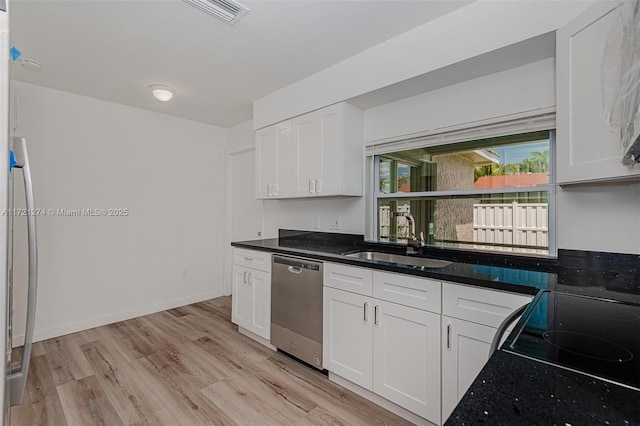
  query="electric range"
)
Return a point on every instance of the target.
[{"x": 596, "y": 337}]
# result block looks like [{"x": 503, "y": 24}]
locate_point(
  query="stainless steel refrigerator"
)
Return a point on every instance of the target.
[{"x": 14, "y": 164}]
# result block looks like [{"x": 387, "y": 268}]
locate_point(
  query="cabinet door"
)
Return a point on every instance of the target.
[
  {"x": 307, "y": 154},
  {"x": 259, "y": 284},
  {"x": 318, "y": 150},
  {"x": 406, "y": 358},
  {"x": 347, "y": 335},
  {"x": 330, "y": 179},
  {"x": 274, "y": 161},
  {"x": 587, "y": 148},
  {"x": 465, "y": 350},
  {"x": 242, "y": 299},
  {"x": 251, "y": 302},
  {"x": 266, "y": 160}
]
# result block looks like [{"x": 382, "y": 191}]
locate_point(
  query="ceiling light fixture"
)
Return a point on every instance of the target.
[{"x": 161, "y": 92}]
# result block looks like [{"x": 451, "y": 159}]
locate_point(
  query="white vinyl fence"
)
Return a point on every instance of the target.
[
  {"x": 385, "y": 225},
  {"x": 524, "y": 224}
]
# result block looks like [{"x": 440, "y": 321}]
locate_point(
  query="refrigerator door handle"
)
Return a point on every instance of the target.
[{"x": 18, "y": 376}]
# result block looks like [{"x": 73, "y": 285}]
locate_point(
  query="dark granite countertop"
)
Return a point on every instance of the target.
[
  {"x": 513, "y": 390},
  {"x": 330, "y": 247},
  {"x": 615, "y": 276}
]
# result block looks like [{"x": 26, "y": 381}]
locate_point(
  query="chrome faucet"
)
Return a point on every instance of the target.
[{"x": 413, "y": 244}]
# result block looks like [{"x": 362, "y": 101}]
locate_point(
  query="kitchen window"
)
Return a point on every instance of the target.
[{"x": 491, "y": 194}]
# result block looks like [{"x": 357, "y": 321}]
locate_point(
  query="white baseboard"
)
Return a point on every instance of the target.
[
  {"x": 62, "y": 330},
  {"x": 377, "y": 399}
]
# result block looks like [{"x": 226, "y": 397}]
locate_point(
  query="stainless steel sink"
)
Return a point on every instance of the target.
[{"x": 398, "y": 258}]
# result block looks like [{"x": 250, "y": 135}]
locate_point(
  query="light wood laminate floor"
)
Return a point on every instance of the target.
[{"x": 186, "y": 366}]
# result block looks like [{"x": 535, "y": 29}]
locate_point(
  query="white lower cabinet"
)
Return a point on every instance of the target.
[
  {"x": 465, "y": 350},
  {"x": 417, "y": 342},
  {"x": 384, "y": 347},
  {"x": 251, "y": 301},
  {"x": 471, "y": 317}
]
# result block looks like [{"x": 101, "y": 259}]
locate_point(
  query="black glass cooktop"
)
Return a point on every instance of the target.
[{"x": 594, "y": 336}]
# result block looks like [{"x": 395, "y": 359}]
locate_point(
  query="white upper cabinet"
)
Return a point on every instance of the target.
[
  {"x": 587, "y": 148},
  {"x": 325, "y": 155},
  {"x": 273, "y": 161}
]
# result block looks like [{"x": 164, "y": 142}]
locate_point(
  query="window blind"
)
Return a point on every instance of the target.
[{"x": 502, "y": 126}]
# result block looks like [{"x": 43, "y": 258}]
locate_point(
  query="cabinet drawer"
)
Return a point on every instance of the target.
[
  {"x": 479, "y": 305},
  {"x": 421, "y": 293},
  {"x": 348, "y": 278},
  {"x": 260, "y": 260}
]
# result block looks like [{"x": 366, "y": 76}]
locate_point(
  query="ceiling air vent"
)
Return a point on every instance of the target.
[{"x": 227, "y": 10}]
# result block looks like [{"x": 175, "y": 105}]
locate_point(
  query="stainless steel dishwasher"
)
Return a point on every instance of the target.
[{"x": 296, "y": 308}]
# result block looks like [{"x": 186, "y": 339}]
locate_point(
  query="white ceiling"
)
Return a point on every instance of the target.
[{"x": 113, "y": 50}]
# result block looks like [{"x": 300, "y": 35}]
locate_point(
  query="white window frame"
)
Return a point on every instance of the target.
[{"x": 520, "y": 125}]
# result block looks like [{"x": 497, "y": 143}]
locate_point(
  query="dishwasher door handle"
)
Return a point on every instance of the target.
[{"x": 295, "y": 269}]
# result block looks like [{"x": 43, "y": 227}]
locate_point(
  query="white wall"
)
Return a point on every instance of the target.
[
  {"x": 240, "y": 135},
  {"x": 473, "y": 30},
  {"x": 301, "y": 214},
  {"x": 88, "y": 153},
  {"x": 519, "y": 89},
  {"x": 600, "y": 218}
]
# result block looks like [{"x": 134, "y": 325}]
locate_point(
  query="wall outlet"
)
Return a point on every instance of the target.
[
  {"x": 316, "y": 222},
  {"x": 336, "y": 222}
]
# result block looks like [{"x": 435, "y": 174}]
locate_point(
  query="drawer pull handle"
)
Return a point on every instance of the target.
[
  {"x": 449, "y": 336},
  {"x": 366, "y": 308},
  {"x": 375, "y": 315}
]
